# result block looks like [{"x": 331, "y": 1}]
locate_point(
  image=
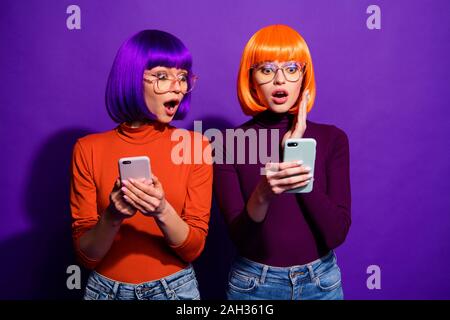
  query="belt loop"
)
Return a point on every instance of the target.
[
  {"x": 334, "y": 255},
  {"x": 115, "y": 288},
  {"x": 311, "y": 271},
  {"x": 169, "y": 292},
  {"x": 263, "y": 274}
]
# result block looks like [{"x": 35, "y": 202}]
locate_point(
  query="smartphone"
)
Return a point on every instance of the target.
[
  {"x": 301, "y": 149},
  {"x": 135, "y": 167}
]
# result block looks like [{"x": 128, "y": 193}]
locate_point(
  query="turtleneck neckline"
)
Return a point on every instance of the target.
[
  {"x": 145, "y": 133},
  {"x": 273, "y": 120}
]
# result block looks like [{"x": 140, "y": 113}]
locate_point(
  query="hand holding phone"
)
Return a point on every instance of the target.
[
  {"x": 303, "y": 149},
  {"x": 138, "y": 168},
  {"x": 118, "y": 207}
]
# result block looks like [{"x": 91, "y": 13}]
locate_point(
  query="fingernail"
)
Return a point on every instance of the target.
[
  {"x": 124, "y": 182},
  {"x": 131, "y": 179},
  {"x": 124, "y": 189},
  {"x": 299, "y": 162},
  {"x": 308, "y": 168},
  {"x": 309, "y": 175}
]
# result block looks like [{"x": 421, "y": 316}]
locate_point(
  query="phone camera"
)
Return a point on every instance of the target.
[
  {"x": 292, "y": 144},
  {"x": 127, "y": 162}
]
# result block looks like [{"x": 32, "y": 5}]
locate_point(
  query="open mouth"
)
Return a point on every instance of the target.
[
  {"x": 171, "y": 103},
  {"x": 280, "y": 96},
  {"x": 279, "y": 93},
  {"x": 170, "y": 106}
]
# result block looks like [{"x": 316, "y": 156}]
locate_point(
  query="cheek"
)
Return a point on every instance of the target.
[
  {"x": 264, "y": 93},
  {"x": 295, "y": 91},
  {"x": 151, "y": 100}
]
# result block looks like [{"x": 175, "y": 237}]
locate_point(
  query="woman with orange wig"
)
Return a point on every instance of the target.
[{"x": 284, "y": 240}]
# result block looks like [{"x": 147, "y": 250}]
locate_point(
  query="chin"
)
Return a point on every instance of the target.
[
  {"x": 165, "y": 119},
  {"x": 279, "y": 108}
]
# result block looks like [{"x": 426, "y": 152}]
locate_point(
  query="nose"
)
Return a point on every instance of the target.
[
  {"x": 176, "y": 87},
  {"x": 279, "y": 77}
]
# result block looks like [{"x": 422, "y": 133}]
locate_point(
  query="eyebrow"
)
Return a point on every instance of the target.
[
  {"x": 167, "y": 69},
  {"x": 273, "y": 63}
]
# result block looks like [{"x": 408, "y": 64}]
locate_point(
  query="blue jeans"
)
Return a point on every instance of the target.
[
  {"x": 181, "y": 285},
  {"x": 318, "y": 280}
]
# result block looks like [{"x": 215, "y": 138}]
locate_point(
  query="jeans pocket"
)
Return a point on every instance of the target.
[
  {"x": 241, "y": 282},
  {"x": 90, "y": 294},
  {"x": 188, "y": 290},
  {"x": 97, "y": 291},
  {"x": 329, "y": 280}
]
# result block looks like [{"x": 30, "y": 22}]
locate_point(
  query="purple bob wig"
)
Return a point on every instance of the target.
[{"x": 147, "y": 49}]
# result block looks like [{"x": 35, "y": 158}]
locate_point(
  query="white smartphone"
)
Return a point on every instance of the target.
[
  {"x": 135, "y": 167},
  {"x": 301, "y": 149}
]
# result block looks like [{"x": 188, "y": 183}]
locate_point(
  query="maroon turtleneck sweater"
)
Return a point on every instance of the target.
[{"x": 298, "y": 228}]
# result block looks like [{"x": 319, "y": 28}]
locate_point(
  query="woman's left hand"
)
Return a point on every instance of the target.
[
  {"x": 145, "y": 195},
  {"x": 299, "y": 125}
]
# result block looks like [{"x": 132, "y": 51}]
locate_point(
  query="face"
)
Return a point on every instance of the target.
[
  {"x": 162, "y": 93},
  {"x": 281, "y": 92}
]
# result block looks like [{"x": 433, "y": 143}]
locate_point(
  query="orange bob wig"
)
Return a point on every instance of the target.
[{"x": 275, "y": 42}]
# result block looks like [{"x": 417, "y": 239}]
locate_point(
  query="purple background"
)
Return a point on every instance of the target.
[{"x": 388, "y": 89}]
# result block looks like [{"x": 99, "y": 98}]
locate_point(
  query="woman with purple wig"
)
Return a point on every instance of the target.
[{"x": 140, "y": 235}]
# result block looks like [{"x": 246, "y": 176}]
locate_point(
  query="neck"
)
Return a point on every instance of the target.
[{"x": 136, "y": 124}]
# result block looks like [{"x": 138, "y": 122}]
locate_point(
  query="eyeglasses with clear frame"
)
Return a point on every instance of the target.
[
  {"x": 164, "y": 83},
  {"x": 265, "y": 72}
]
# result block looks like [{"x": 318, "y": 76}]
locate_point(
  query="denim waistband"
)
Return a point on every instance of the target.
[
  {"x": 166, "y": 284},
  {"x": 263, "y": 271}
]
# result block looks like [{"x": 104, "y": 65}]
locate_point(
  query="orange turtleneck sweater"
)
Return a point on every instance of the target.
[{"x": 139, "y": 252}]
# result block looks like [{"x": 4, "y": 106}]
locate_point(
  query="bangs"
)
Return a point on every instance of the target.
[
  {"x": 169, "y": 53},
  {"x": 275, "y": 44}
]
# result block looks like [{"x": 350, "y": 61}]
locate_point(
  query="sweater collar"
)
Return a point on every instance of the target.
[
  {"x": 143, "y": 134},
  {"x": 272, "y": 120}
]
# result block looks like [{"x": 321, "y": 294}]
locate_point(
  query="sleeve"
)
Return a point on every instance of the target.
[
  {"x": 330, "y": 210},
  {"x": 196, "y": 211},
  {"x": 232, "y": 205},
  {"x": 82, "y": 202}
]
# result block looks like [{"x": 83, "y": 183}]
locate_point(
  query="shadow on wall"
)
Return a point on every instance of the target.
[
  {"x": 35, "y": 263},
  {"x": 214, "y": 263}
]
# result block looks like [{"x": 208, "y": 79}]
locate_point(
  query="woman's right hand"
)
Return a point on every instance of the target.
[
  {"x": 278, "y": 178},
  {"x": 284, "y": 176},
  {"x": 96, "y": 242},
  {"x": 118, "y": 208}
]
